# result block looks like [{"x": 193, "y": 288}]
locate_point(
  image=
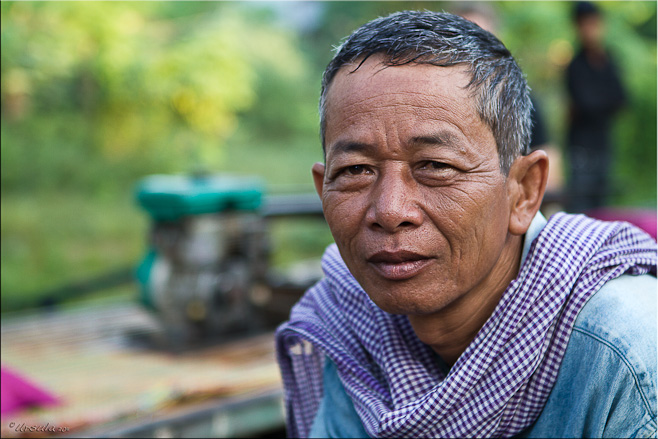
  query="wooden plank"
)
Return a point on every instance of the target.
[{"x": 83, "y": 356}]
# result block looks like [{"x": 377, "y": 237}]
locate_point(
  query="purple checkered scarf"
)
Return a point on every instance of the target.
[{"x": 499, "y": 385}]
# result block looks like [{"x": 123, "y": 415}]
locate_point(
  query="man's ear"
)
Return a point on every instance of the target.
[
  {"x": 318, "y": 177},
  {"x": 526, "y": 186}
]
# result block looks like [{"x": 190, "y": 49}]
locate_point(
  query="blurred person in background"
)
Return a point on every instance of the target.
[
  {"x": 596, "y": 95},
  {"x": 450, "y": 306},
  {"x": 485, "y": 16}
]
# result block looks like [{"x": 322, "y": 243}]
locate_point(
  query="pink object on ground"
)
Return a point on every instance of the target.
[
  {"x": 18, "y": 393},
  {"x": 645, "y": 219}
]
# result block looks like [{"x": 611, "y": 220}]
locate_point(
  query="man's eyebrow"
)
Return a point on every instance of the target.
[
  {"x": 439, "y": 138},
  {"x": 346, "y": 146}
]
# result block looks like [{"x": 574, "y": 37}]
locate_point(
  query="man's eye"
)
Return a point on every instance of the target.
[
  {"x": 434, "y": 172},
  {"x": 432, "y": 165},
  {"x": 355, "y": 170}
]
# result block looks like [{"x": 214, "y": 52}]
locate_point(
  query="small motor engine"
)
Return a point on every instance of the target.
[{"x": 208, "y": 254}]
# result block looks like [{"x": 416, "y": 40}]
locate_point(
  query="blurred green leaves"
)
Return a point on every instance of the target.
[{"x": 127, "y": 83}]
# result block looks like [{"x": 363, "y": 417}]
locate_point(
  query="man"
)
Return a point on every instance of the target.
[
  {"x": 450, "y": 307},
  {"x": 596, "y": 95}
]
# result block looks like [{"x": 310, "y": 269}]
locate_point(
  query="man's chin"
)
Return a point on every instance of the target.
[{"x": 406, "y": 299}]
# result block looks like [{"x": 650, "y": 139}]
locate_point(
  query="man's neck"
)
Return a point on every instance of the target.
[{"x": 451, "y": 330}]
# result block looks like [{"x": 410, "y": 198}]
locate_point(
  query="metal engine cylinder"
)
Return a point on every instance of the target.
[{"x": 208, "y": 253}]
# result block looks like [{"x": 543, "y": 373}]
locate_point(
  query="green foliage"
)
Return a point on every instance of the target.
[
  {"x": 635, "y": 133},
  {"x": 137, "y": 86}
]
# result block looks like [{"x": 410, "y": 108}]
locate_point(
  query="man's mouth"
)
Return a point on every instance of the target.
[{"x": 398, "y": 265}]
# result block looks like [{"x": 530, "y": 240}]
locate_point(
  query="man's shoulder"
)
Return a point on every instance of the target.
[
  {"x": 606, "y": 383},
  {"x": 620, "y": 321},
  {"x": 613, "y": 350},
  {"x": 622, "y": 313}
]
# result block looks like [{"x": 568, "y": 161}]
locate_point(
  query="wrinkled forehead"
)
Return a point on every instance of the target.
[
  {"x": 404, "y": 105},
  {"x": 376, "y": 80}
]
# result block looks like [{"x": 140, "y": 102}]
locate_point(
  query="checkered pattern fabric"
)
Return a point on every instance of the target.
[{"x": 499, "y": 385}]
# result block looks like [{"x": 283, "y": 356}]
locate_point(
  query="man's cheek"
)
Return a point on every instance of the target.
[{"x": 342, "y": 209}]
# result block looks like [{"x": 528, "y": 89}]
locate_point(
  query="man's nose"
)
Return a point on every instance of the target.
[{"x": 394, "y": 203}]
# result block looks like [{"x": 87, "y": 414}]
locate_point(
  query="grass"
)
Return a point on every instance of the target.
[{"x": 53, "y": 239}]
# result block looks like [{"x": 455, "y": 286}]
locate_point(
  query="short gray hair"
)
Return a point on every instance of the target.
[{"x": 443, "y": 39}]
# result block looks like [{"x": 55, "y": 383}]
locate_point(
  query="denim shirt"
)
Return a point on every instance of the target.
[{"x": 606, "y": 386}]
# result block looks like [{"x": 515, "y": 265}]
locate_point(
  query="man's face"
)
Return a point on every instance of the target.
[
  {"x": 590, "y": 31},
  {"x": 412, "y": 189}
]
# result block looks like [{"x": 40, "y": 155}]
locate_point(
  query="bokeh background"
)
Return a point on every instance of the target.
[{"x": 97, "y": 95}]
